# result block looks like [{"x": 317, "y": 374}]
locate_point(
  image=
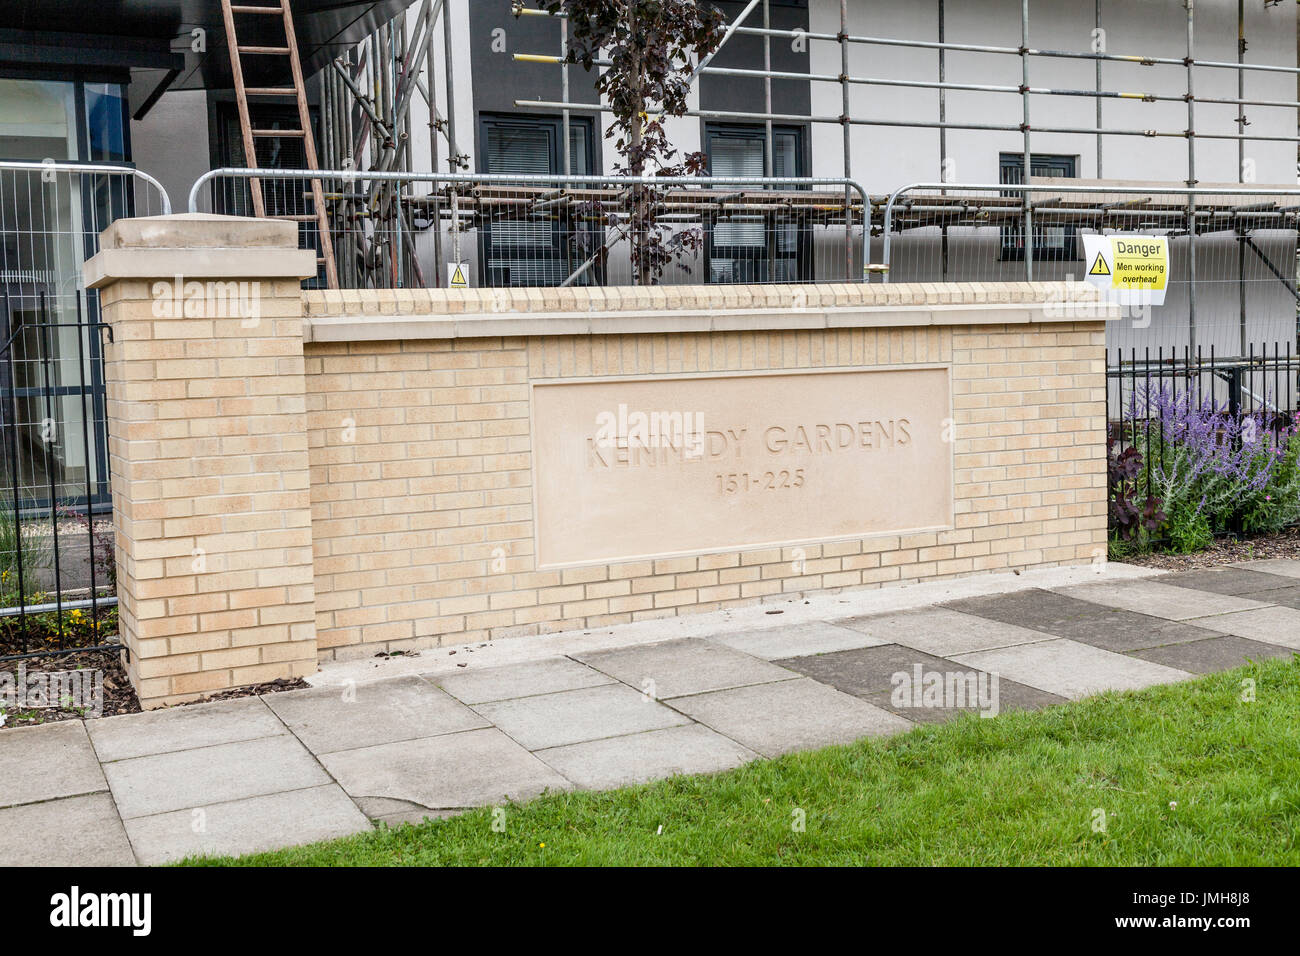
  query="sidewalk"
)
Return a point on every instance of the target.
[{"x": 405, "y": 738}]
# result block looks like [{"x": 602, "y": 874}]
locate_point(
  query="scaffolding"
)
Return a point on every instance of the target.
[{"x": 367, "y": 123}]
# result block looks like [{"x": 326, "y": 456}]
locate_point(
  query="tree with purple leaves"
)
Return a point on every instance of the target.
[{"x": 652, "y": 48}]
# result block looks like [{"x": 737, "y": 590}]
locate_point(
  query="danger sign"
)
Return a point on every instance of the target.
[
  {"x": 456, "y": 276},
  {"x": 1133, "y": 269}
]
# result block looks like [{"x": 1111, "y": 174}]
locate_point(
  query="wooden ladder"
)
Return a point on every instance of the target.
[{"x": 303, "y": 132}]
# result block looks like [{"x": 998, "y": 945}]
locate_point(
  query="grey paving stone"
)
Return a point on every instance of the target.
[
  {"x": 1146, "y": 596},
  {"x": 572, "y": 716},
  {"x": 184, "y": 779},
  {"x": 251, "y": 825},
  {"x": 677, "y": 668},
  {"x": 73, "y": 831},
  {"x": 1071, "y": 669},
  {"x": 47, "y": 761},
  {"x": 471, "y": 769},
  {"x": 1272, "y": 625},
  {"x": 942, "y": 631},
  {"x": 377, "y": 712},
  {"x": 1239, "y": 581},
  {"x": 182, "y": 728},
  {"x": 1062, "y": 616},
  {"x": 638, "y": 758},
  {"x": 772, "y": 719},
  {"x": 396, "y": 812},
  {"x": 521, "y": 680},
  {"x": 1009, "y": 696},
  {"x": 1287, "y": 597},
  {"x": 1214, "y": 654},
  {"x": 1287, "y": 567},
  {"x": 874, "y": 674},
  {"x": 797, "y": 640}
]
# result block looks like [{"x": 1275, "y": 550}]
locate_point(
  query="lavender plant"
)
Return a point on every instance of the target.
[{"x": 1214, "y": 470}]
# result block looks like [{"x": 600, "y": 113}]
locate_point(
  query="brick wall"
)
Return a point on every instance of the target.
[{"x": 421, "y": 469}]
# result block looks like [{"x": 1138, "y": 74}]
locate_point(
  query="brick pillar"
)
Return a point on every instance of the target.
[{"x": 208, "y": 451}]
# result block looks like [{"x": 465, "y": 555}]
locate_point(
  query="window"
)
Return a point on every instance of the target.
[
  {"x": 542, "y": 250},
  {"x": 754, "y": 248},
  {"x": 1052, "y": 243}
]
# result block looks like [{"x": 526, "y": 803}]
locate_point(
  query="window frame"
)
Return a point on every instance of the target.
[
  {"x": 1011, "y": 247},
  {"x": 803, "y": 247},
  {"x": 489, "y": 120}
]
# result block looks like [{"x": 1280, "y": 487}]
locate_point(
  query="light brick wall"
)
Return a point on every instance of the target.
[
  {"x": 210, "y": 480},
  {"x": 421, "y": 468}
]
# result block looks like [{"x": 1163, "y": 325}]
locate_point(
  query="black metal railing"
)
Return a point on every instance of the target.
[{"x": 57, "y": 568}]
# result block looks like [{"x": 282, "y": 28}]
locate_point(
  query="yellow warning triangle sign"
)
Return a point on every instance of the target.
[
  {"x": 1099, "y": 268},
  {"x": 458, "y": 278}
]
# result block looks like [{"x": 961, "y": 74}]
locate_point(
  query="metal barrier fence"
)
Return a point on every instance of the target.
[
  {"x": 402, "y": 229},
  {"x": 1232, "y": 281},
  {"x": 56, "y": 551}
]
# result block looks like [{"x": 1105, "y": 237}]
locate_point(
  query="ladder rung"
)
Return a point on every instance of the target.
[
  {"x": 274, "y": 133},
  {"x": 268, "y": 50},
  {"x": 270, "y": 91},
  {"x": 246, "y": 8}
]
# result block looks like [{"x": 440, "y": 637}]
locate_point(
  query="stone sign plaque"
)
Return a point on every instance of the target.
[{"x": 655, "y": 467}]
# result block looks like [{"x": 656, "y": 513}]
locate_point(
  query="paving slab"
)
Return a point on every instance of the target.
[
  {"x": 1272, "y": 625},
  {"x": 1158, "y": 600},
  {"x": 250, "y": 825},
  {"x": 73, "y": 831},
  {"x": 797, "y": 640},
  {"x": 1060, "y": 615},
  {"x": 875, "y": 674},
  {"x": 572, "y": 716},
  {"x": 182, "y": 780},
  {"x": 401, "y": 708},
  {"x": 1071, "y": 669},
  {"x": 1287, "y": 597},
  {"x": 943, "y": 631},
  {"x": 1287, "y": 567},
  {"x": 639, "y": 758},
  {"x": 47, "y": 761},
  {"x": 778, "y": 718},
  {"x": 397, "y": 812},
  {"x": 678, "y": 668},
  {"x": 1239, "y": 581},
  {"x": 183, "y": 728},
  {"x": 1214, "y": 654},
  {"x": 453, "y": 771},
  {"x": 521, "y": 680}
]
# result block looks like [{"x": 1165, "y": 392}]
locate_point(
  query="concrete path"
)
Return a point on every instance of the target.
[{"x": 426, "y": 736}]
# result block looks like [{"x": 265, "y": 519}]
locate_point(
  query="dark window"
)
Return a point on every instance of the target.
[
  {"x": 546, "y": 248},
  {"x": 747, "y": 246},
  {"x": 1052, "y": 242}
]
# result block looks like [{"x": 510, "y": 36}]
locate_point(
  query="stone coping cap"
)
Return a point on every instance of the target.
[{"x": 411, "y": 314}]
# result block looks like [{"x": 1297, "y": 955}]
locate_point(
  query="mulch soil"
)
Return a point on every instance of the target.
[{"x": 1224, "y": 551}]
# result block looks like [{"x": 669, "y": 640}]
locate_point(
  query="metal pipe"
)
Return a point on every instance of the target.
[
  {"x": 1191, "y": 175},
  {"x": 918, "y": 124},
  {"x": 848, "y": 150},
  {"x": 453, "y": 154},
  {"x": 769, "y": 160},
  {"x": 1096, "y": 39},
  {"x": 1027, "y": 166},
  {"x": 727, "y": 35}
]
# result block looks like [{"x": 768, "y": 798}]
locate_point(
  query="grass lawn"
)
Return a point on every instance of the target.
[{"x": 1187, "y": 774}]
